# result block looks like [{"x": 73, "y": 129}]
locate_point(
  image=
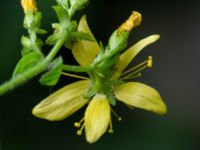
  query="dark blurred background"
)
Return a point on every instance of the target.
[{"x": 175, "y": 75}]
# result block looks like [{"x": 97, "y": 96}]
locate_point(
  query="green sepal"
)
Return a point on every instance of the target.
[
  {"x": 32, "y": 20},
  {"x": 77, "y": 5},
  {"x": 28, "y": 45},
  {"x": 61, "y": 27},
  {"x": 107, "y": 63},
  {"x": 73, "y": 26},
  {"x": 63, "y": 15},
  {"x": 26, "y": 42},
  {"x": 27, "y": 62},
  {"x": 37, "y": 19},
  {"x": 100, "y": 54},
  {"x": 77, "y": 35},
  {"x": 28, "y": 19},
  {"x": 111, "y": 99},
  {"x": 63, "y": 3},
  {"x": 51, "y": 40},
  {"x": 74, "y": 36},
  {"x": 41, "y": 31},
  {"x": 52, "y": 76},
  {"x": 39, "y": 42}
]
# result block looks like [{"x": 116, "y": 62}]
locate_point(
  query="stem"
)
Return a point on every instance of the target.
[
  {"x": 33, "y": 37},
  {"x": 73, "y": 68},
  {"x": 40, "y": 67}
]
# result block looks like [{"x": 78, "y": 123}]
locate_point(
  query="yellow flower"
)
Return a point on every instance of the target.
[
  {"x": 29, "y": 5},
  {"x": 97, "y": 117}
]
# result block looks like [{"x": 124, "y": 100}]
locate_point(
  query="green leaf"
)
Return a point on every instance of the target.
[
  {"x": 52, "y": 76},
  {"x": 27, "y": 62},
  {"x": 41, "y": 31},
  {"x": 26, "y": 50}
]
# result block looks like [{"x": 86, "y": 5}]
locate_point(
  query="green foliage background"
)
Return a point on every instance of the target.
[{"x": 175, "y": 74}]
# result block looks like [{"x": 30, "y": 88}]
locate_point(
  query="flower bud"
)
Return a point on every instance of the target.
[
  {"x": 29, "y": 5},
  {"x": 133, "y": 21},
  {"x": 118, "y": 39}
]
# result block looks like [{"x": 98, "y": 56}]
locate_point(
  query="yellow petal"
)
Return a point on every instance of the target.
[
  {"x": 97, "y": 118},
  {"x": 85, "y": 51},
  {"x": 63, "y": 102},
  {"x": 129, "y": 54},
  {"x": 141, "y": 96}
]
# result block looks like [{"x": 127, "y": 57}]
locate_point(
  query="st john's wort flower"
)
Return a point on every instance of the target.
[{"x": 97, "y": 117}]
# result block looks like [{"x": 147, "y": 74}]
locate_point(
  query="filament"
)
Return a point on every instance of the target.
[
  {"x": 135, "y": 71},
  {"x": 111, "y": 127},
  {"x": 74, "y": 76},
  {"x": 79, "y": 132},
  {"x": 78, "y": 124},
  {"x": 116, "y": 115}
]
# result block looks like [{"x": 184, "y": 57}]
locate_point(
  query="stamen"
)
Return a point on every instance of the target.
[
  {"x": 78, "y": 124},
  {"x": 129, "y": 106},
  {"x": 74, "y": 76},
  {"x": 111, "y": 128},
  {"x": 79, "y": 132},
  {"x": 135, "y": 71},
  {"x": 134, "y": 76},
  {"x": 135, "y": 67},
  {"x": 116, "y": 115}
]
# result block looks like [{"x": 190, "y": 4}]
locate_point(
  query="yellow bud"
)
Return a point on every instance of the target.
[
  {"x": 133, "y": 21},
  {"x": 29, "y": 5}
]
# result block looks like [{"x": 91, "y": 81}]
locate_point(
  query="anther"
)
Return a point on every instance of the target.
[
  {"x": 116, "y": 115},
  {"x": 79, "y": 132},
  {"x": 111, "y": 128},
  {"x": 77, "y": 124},
  {"x": 150, "y": 62},
  {"x": 110, "y": 131}
]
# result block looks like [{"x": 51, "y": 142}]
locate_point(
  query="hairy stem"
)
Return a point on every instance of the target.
[
  {"x": 40, "y": 67},
  {"x": 73, "y": 68}
]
